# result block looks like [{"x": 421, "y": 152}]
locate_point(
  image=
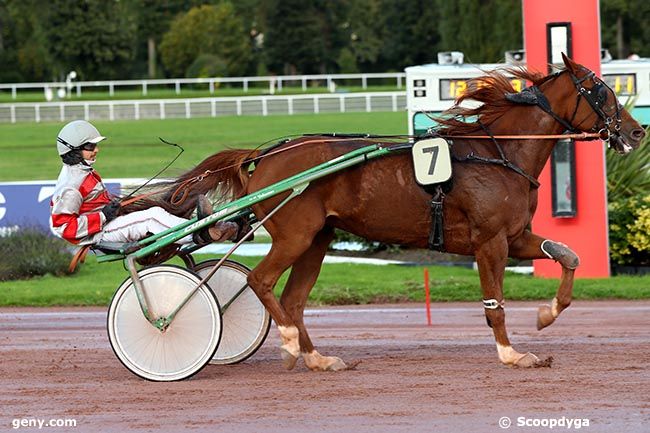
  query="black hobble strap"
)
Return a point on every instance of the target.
[{"x": 436, "y": 233}]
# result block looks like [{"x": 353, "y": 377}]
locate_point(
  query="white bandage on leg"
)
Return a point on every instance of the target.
[{"x": 493, "y": 304}]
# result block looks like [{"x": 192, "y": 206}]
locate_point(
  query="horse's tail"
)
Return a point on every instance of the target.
[{"x": 223, "y": 175}]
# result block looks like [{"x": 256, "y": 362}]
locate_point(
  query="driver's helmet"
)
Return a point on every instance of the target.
[{"x": 75, "y": 135}]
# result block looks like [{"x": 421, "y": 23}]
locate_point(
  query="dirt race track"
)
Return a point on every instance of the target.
[{"x": 58, "y": 364}]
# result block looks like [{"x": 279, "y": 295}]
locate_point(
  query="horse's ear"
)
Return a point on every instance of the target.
[{"x": 570, "y": 64}]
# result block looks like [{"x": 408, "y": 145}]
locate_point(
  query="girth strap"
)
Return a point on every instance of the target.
[{"x": 436, "y": 233}]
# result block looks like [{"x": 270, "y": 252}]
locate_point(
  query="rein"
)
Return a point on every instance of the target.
[
  {"x": 182, "y": 191},
  {"x": 183, "y": 188}
]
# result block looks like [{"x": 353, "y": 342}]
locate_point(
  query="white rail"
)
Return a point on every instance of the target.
[
  {"x": 202, "y": 107},
  {"x": 274, "y": 82}
]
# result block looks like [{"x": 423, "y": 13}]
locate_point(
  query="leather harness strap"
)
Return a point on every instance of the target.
[{"x": 79, "y": 257}]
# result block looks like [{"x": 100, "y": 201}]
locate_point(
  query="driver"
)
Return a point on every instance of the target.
[{"x": 83, "y": 212}]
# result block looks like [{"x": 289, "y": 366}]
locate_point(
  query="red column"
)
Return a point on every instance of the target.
[{"x": 586, "y": 233}]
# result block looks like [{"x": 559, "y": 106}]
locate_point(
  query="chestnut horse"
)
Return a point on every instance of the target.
[{"x": 487, "y": 213}]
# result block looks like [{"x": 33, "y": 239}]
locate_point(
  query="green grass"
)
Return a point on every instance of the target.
[
  {"x": 133, "y": 149},
  {"x": 338, "y": 284},
  {"x": 187, "y": 91}
]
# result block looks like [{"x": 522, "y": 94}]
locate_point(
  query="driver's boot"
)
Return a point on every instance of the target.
[{"x": 219, "y": 232}]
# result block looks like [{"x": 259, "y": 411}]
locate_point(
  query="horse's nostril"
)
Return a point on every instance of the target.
[{"x": 637, "y": 134}]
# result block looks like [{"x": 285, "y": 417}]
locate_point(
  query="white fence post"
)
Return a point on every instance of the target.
[
  {"x": 137, "y": 111},
  {"x": 213, "y": 108},
  {"x": 316, "y": 108},
  {"x": 144, "y": 88},
  {"x": 12, "y": 110},
  {"x": 178, "y": 87},
  {"x": 13, "y": 92},
  {"x": 290, "y": 104},
  {"x": 62, "y": 112},
  {"x": 162, "y": 110},
  {"x": 111, "y": 89},
  {"x": 188, "y": 115},
  {"x": 238, "y": 107},
  {"x": 111, "y": 111},
  {"x": 341, "y": 104},
  {"x": 86, "y": 111},
  {"x": 37, "y": 113},
  {"x": 368, "y": 105},
  {"x": 265, "y": 110}
]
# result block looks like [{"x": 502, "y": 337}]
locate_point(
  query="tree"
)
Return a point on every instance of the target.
[
  {"x": 364, "y": 30},
  {"x": 482, "y": 30},
  {"x": 96, "y": 38},
  {"x": 294, "y": 41},
  {"x": 409, "y": 34},
  {"x": 206, "y": 29},
  {"x": 623, "y": 27},
  {"x": 154, "y": 18},
  {"x": 25, "y": 55}
]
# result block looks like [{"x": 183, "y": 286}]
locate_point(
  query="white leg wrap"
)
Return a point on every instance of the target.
[{"x": 289, "y": 336}]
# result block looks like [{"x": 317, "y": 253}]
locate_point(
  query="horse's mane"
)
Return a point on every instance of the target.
[{"x": 490, "y": 89}]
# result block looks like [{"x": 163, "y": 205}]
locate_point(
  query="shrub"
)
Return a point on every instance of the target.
[
  {"x": 629, "y": 231},
  {"x": 29, "y": 252}
]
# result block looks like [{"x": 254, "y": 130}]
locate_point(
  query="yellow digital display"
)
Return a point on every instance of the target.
[
  {"x": 453, "y": 88},
  {"x": 621, "y": 84}
]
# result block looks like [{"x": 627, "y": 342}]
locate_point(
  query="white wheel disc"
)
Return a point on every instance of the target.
[
  {"x": 185, "y": 346},
  {"x": 246, "y": 322}
]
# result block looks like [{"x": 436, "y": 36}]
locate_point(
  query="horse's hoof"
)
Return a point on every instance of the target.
[
  {"x": 544, "y": 317},
  {"x": 288, "y": 360},
  {"x": 527, "y": 361},
  {"x": 337, "y": 365}
]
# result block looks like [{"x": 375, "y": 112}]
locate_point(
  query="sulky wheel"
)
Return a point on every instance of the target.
[
  {"x": 246, "y": 322},
  {"x": 182, "y": 349}
]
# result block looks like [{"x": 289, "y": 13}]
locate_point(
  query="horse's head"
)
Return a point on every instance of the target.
[{"x": 597, "y": 109}]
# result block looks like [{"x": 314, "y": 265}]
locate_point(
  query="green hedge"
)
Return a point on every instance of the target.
[{"x": 29, "y": 252}]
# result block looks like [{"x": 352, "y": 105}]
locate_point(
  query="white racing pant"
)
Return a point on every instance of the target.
[{"x": 135, "y": 226}]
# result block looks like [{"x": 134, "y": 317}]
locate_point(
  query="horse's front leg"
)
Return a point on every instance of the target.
[
  {"x": 530, "y": 246},
  {"x": 491, "y": 258}
]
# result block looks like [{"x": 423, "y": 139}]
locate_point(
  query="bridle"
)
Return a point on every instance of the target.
[{"x": 596, "y": 97}]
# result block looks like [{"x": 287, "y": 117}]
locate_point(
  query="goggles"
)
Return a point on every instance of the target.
[{"x": 89, "y": 146}]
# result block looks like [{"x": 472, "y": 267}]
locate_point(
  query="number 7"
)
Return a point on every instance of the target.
[{"x": 434, "y": 157}]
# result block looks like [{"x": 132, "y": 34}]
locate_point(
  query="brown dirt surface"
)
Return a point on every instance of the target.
[{"x": 58, "y": 364}]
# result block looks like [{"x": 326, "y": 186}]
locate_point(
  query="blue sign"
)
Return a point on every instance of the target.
[{"x": 27, "y": 204}]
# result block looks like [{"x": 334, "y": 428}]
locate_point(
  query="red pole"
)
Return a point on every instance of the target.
[{"x": 427, "y": 295}]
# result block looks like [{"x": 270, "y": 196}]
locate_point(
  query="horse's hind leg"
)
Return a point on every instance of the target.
[
  {"x": 284, "y": 252},
  {"x": 304, "y": 273},
  {"x": 530, "y": 246},
  {"x": 491, "y": 258}
]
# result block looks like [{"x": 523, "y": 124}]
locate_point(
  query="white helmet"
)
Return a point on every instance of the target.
[{"x": 75, "y": 134}]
